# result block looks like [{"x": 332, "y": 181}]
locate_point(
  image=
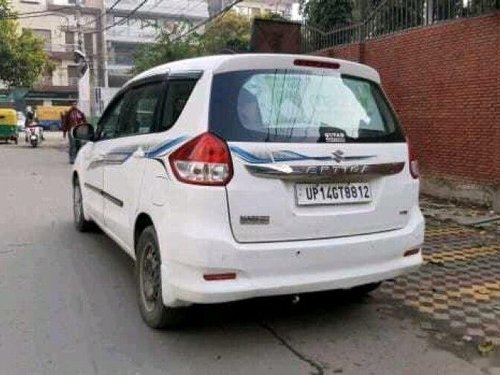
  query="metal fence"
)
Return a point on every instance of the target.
[{"x": 390, "y": 16}]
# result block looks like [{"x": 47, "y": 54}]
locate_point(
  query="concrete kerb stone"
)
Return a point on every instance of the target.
[
  {"x": 477, "y": 194},
  {"x": 496, "y": 200}
]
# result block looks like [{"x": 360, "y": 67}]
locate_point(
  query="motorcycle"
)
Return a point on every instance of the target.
[{"x": 33, "y": 134}]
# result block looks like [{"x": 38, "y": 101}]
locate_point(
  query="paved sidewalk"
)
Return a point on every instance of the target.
[{"x": 457, "y": 290}]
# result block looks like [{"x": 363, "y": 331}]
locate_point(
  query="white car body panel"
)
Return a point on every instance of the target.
[
  {"x": 228, "y": 63},
  {"x": 393, "y": 196},
  {"x": 198, "y": 227}
]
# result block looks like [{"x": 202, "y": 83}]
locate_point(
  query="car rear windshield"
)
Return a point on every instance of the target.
[{"x": 300, "y": 106}]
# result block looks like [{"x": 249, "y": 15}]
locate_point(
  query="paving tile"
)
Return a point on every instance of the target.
[{"x": 459, "y": 284}]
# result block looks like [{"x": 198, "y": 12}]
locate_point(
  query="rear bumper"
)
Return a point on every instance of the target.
[{"x": 280, "y": 268}]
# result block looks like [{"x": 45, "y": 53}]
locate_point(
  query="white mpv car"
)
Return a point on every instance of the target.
[{"x": 238, "y": 176}]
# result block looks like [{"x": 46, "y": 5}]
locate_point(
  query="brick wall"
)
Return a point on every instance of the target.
[
  {"x": 351, "y": 52},
  {"x": 444, "y": 81}
]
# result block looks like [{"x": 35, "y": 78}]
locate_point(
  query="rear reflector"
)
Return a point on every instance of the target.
[
  {"x": 414, "y": 170},
  {"x": 316, "y": 64},
  {"x": 411, "y": 252},
  {"x": 219, "y": 276}
]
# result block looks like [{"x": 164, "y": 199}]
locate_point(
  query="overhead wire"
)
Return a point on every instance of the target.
[
  {"x": 179, "y": 11},
  {"x": 103, "y": 13},
  {"x": 38, "y": 13},
  {"x": 50, "y": 13},
  {"x": 187, "y": 7},
  {"x": 130, "y": 14},
  {"x": 208, "y": 20},
  {"x": 45, "y": 11}
]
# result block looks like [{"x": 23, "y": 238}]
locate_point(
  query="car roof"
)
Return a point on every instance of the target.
[{"x": 226, "y": 63}]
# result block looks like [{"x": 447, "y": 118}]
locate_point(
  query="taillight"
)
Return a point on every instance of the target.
[
  {"x": 414, "y": 170},
  {"x": 204, "y": 160}
]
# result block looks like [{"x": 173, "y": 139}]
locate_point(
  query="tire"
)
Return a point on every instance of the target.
[
  {"x": 81, "y": 224},
  {"x": 363, "y": 290},
  {"x": 149, "y": 287},
  {"x": 15, "y": 141}
]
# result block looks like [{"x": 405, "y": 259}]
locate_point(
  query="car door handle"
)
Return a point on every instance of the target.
[{"x": 139, "y": 153}]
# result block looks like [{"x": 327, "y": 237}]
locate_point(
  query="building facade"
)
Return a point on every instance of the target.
[
  {"x": 255, "y": 8},
  {"x": 125, "y": 34},
  {"x": 55, "y": 21},
  {"x": 109, "y": 32}
]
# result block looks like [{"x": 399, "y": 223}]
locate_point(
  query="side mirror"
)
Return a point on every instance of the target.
[{"x": 84, "y": 132}]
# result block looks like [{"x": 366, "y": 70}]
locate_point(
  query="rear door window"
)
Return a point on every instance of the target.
[
  {"x": 178, "y": 93},
  {"x": 300, "y": 106},
  {"x": 109, "y": 124},
  {"x": 142, "y": 109}
]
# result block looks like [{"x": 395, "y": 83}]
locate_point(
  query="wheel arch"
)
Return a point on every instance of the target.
[
  {"x": 142, "y": 221},
  {"x": 74, "y": 177}
]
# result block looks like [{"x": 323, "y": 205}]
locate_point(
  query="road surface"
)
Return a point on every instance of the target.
[{"x": 68, "y": 305}]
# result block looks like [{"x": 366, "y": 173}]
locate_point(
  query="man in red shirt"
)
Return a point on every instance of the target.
[{"x": 73, "y": 118}]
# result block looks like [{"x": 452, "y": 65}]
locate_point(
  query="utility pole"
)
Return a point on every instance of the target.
[
  {"x": 104, "y": 52},
  {"x": 79, "y": 32},
  {"x": 81, "y": 58}
]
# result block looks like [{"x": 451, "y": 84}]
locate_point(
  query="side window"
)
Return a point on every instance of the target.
[
  {"x": 178, "y": 94},
  {"x": 141, "y": 111},
  {"x": 109, "y": 123}
]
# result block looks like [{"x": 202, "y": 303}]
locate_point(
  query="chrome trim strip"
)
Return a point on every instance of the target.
[
  {"x": 92, "y": 187},
  {"x": 323, "y": 172},
  {"x": 105, "y": 195},
  {"x": 112, "y": 199},
  {"x": 288, "y": 156}
]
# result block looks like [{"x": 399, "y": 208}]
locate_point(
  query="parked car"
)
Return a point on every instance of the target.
[{"x": 239, "y": 176}]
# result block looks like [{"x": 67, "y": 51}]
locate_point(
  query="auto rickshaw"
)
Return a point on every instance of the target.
[{"x": 8, "y": 125}]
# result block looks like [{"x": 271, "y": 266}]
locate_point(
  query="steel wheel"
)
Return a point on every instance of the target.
[
  {"x": 77, "y": 204},
  {"x": 150, "y": 277},
  {"x": 81, "y": 224},
  {"x": 149, "y": 284}
]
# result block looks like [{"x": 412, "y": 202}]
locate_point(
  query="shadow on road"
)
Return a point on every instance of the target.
[{"x": 304, "y": 307}]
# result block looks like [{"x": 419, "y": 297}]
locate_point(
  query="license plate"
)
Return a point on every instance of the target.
[{"x": 339, "y": 193}]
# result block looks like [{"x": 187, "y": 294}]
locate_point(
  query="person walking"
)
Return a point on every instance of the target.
[{"x": 73, "y": 118}]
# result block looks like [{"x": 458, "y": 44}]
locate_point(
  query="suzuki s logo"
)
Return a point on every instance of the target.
[{"x": 338, "y": 156}]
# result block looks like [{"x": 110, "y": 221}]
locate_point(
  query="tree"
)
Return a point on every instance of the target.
[
  {"x": 23, "y": 58},
  {"x": 230, "y": 32},
  {"x": 327, "y": 15},
  {"x": 169, "y": 46}
]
